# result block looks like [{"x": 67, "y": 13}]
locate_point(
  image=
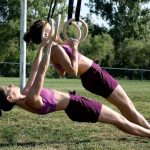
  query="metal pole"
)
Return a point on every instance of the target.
[{"x": 23, "y": 17}]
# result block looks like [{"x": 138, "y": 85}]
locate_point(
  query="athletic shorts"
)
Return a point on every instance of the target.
[
  {"x": 98, "y": 81},
  {"x": 82, "y": 109}
]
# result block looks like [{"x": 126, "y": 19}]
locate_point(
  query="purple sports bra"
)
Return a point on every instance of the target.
[
  {"x": 68, "y": 51},
  {"x": 49, "y": 102}
]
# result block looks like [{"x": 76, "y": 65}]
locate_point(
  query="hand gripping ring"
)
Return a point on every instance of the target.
[
  {"x": 85, "y": 29},
  {"x": 52, "y": 24}
]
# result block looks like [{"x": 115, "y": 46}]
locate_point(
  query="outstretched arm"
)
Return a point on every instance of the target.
[
  {"x": 39, "y": 78},
  {"x": 34, "y": 69}
]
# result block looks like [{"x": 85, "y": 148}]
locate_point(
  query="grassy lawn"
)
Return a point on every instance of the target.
[{"x": 22, "y": 130}]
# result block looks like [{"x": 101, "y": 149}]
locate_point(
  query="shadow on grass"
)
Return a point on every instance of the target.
[
  {"x": 136, "y": 139},
  {"x": 33, "y": 144}
]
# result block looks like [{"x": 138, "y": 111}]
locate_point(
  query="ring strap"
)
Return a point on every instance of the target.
[
  {"x": 53, "y": 8},
  {"x": 50, "y": 8},
  {"x": 78, "y": 8},
  {"x": 70, "y": 9}
]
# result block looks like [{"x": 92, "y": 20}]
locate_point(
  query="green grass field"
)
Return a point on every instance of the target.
[{"x": 22, "y": 130}]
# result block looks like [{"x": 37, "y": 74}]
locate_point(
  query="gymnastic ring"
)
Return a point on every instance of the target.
[
  {"x": 72, "y": 22},
  {"x": 85, "y": 28},
  {"x": 57, "y": 37},
  {"x": 57, "y": 26},
  {"x": 52, "y": 24}
]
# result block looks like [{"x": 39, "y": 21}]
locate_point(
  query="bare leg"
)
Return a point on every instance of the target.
[
  {"x": 120, "y": 99},
  {"x": 109, "y": 116}
]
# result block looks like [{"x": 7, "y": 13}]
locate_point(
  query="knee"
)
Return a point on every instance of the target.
[
  {"x": 120, "y": 99},
  {"x": 130, "y": 109}
]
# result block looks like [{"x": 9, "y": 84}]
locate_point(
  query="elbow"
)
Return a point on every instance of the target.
[
  {"x": 74, "y": 73},
  {"x": 72, "y": 70}
]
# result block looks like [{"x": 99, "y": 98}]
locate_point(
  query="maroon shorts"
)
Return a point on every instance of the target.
[
  {"x": 98, "y": 81},
  {"x": 82, "y": 109}
]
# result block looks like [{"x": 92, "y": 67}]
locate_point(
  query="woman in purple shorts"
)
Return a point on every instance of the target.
[
  {"x": 67, "y": 59},
  {"x": 36, "y": 99}
]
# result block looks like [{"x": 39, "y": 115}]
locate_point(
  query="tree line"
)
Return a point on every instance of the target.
[{"x": 125, "y": 44}]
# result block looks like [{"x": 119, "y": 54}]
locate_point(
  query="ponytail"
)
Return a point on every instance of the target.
[
  {"x": 27, "y": 37},
  {"x": 35, "y": 32},
  {"x": 5, "y": 105}
]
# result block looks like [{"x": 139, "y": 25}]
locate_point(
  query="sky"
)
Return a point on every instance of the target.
[
  {"x": 85, "y": 11},
  {"x": 96, "y": 19}
]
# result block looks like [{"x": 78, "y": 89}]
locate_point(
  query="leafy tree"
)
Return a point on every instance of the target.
[
  {"x": 99, "y": 47},
  {"x": 39, "y": 9},
  {"x": 126, "y": 18},
  {"x": 9, "y": 32},
  {"x": 10, "y": 24},
  {"x": 10, "y": 20},
  {"x": 94, "y": 29},
  {"x": 134, "y": 54}
]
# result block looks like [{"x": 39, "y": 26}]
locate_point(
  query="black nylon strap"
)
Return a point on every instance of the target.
[
  {"x": 78, "y": 8},
  {"x": 70, "y": 8},
  {"x": 51, "y": 10},
  {"x": 49, "y": 13}
]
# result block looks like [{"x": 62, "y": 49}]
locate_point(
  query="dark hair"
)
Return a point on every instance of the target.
[
  {"x": 34, "y": 34},
  {"x": 5, "y": 105}
]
